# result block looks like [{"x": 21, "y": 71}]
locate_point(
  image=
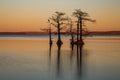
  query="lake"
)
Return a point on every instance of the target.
[{"x": 32, "y": 58}]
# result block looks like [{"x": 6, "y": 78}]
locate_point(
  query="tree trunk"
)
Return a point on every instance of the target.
[
  {"x": 59, "y": 36},
  {"x": 50, "y": 40},
  {"x": 81, "y": 40},
  {"x": 72, "y": 38},
  {"x": 78, "y": 32}
]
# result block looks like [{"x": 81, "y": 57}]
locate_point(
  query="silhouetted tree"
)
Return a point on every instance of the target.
[
  {"x": 48, "y": 30},
  {"x": 58, "y": 21},
  {"x": 81, "y": 17},
  {"x": 50, "y": 40}
]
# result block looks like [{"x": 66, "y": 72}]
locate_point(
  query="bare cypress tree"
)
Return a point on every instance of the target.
[
  {"x": 81, "y": 16},
  {"x": 70, "y": 24},
  {"x": 48, "y": 30},
  {"x": 50, "y": 40},
  {"x": 58, "y": 20}
]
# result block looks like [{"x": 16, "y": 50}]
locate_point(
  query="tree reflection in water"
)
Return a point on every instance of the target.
[{"x": 76, "y": 56}]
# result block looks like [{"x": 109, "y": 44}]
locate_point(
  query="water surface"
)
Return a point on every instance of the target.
[{"x": 32, "y": 58}]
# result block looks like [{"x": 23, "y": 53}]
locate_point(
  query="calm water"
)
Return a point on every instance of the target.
[{"x": 31, "y": 58}]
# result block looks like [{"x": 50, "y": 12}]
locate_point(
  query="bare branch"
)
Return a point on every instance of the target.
[
  {"x": 80, "y": 15},
  {"x": 88, "y": 19},
  {"x": 54, "y": 24}
]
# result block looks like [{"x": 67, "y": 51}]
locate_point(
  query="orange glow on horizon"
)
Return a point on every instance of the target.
[{"x": 32, "y": 15}]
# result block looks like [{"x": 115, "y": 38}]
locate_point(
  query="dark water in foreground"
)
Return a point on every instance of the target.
[{"x": 31, "y": 58}]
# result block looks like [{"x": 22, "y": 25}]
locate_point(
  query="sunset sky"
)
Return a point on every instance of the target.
[{"x": 31, "y": 15}]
